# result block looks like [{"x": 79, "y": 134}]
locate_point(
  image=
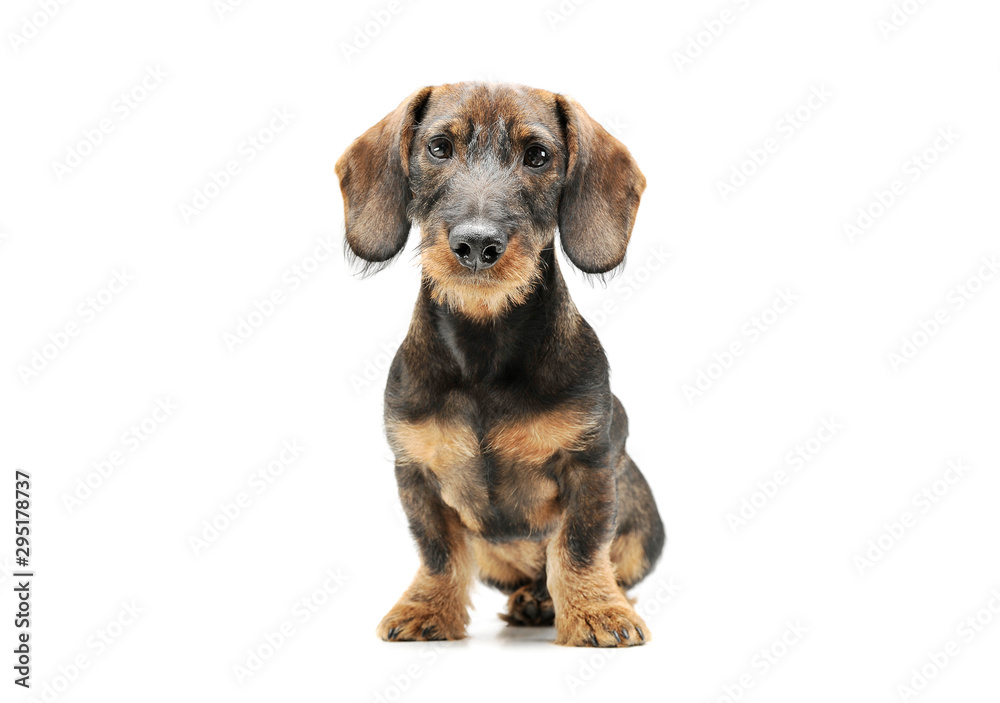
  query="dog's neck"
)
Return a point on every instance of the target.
[{"x": 510, "y": 339}]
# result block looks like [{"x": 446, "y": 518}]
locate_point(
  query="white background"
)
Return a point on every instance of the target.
[{"x": 313, "y": 370}]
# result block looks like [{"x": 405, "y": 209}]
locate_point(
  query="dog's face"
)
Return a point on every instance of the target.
[{"x": 489, "y": 172}]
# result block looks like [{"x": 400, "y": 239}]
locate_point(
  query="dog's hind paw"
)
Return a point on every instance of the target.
[{"x": 525, "y": 608}]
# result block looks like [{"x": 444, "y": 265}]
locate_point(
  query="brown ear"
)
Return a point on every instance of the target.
[
  {"x": 374, "y": 173},
  {"x": 601, "y": 193}
]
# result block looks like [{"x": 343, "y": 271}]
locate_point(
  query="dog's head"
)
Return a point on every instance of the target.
[{"x": 489, "y": 172}]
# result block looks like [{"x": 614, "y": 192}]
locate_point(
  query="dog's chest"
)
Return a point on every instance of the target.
[{"x": 501, "y": 479}]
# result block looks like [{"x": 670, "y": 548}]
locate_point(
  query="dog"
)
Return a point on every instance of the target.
[{"x": 509, "y": 445}]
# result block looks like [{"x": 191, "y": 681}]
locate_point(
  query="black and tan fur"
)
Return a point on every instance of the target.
[{"x": 510, "y": 448}]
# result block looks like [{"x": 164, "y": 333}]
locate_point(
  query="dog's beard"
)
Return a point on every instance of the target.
[{"x": 485, "y": 294}]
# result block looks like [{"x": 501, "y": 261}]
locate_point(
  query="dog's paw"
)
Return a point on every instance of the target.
[
  {"x": 410, "y": 621},
  {"x": 525, "y": 608},
  {"x": 614, "y": 624}
]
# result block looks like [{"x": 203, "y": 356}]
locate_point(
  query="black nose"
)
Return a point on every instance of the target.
[{"x": 477, "y": 246}]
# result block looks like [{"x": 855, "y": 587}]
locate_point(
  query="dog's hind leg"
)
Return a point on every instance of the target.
[{"x": 639, "y": 534}]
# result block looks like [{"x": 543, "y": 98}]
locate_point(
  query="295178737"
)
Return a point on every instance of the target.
[{"x": 22, "y": 577}]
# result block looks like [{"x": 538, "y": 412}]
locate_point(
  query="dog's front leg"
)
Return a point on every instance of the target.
[
  {"x": 435, "y": 606},
  {"x": 591, "y": 610}
]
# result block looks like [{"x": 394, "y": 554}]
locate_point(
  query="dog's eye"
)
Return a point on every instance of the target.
[
  {"x": 439, "y": 148},
  {"x": 536, "y": 156}
]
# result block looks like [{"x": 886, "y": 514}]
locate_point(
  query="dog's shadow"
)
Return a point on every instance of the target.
[{"x": 511, "y": 635}]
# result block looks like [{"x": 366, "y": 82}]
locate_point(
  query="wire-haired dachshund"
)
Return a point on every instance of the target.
[{"x": 510, "y": 448}]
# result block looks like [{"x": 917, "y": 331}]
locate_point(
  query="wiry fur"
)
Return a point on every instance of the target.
[{"x": 510, "y": 447}]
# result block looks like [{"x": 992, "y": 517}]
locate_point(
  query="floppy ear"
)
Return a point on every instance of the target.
[
  {"x": 374, "y": 180},
  {"x": 601, "y": 193}
]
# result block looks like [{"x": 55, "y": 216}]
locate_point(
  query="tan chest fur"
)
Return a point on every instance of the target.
[{"x": 503, "y": 470}]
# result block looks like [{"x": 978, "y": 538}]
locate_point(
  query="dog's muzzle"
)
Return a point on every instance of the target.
[{"x": 477, "y": 246}]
